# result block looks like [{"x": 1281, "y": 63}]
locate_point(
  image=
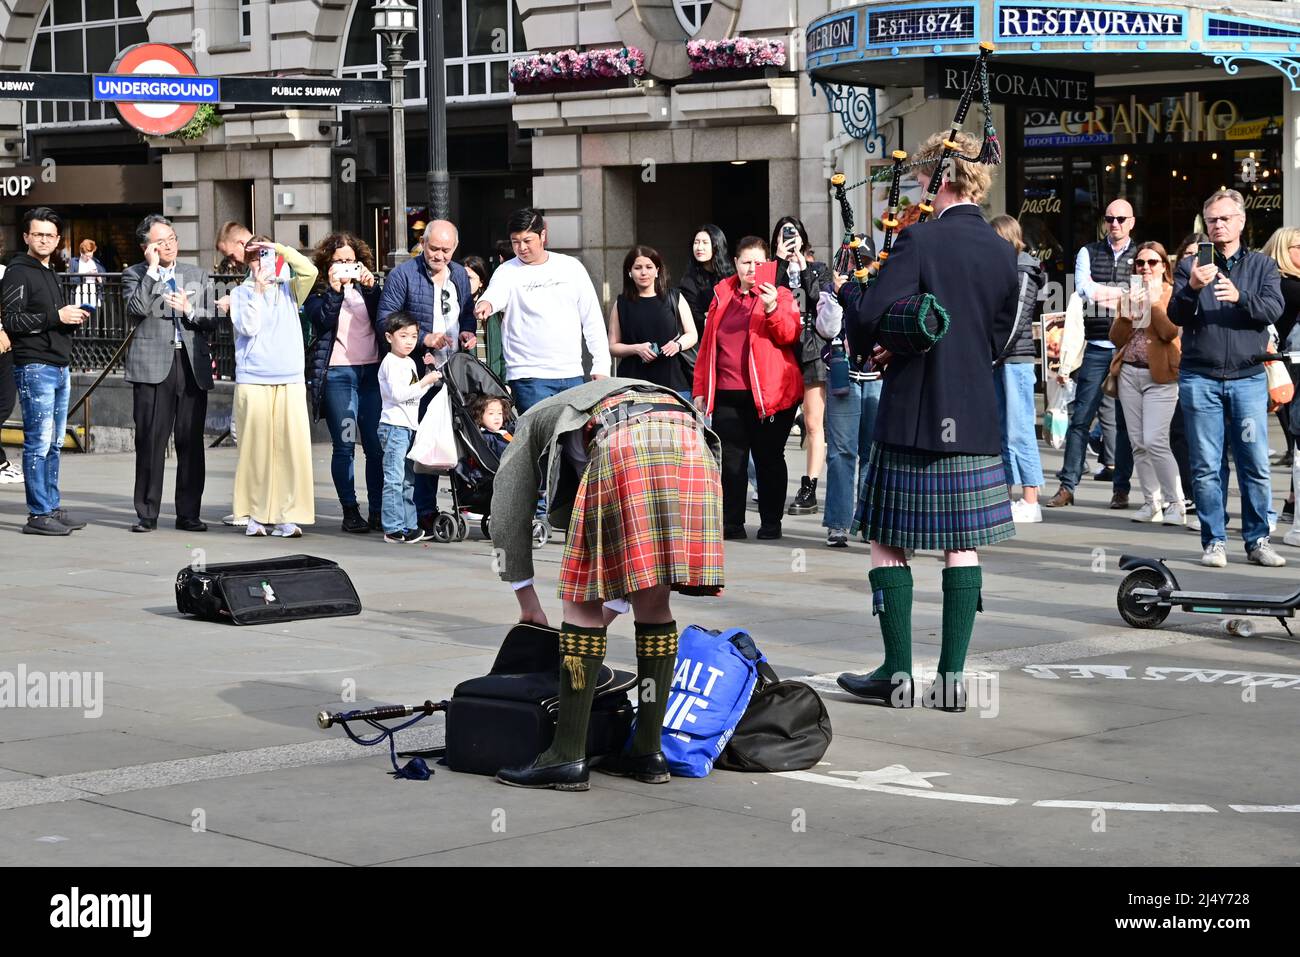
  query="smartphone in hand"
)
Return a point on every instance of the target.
[
  {"x": 765, "y": 272},
  {"x": 1204, "y": 254}
]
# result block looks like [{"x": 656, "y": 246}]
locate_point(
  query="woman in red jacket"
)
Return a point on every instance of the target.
[{"x": 747, "y": 377}]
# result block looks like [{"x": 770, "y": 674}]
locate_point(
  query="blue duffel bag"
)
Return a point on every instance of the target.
[{"x": 712, "y": 683}]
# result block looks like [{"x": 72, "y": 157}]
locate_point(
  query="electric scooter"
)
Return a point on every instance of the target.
[{"x": 1150, "y": 591}]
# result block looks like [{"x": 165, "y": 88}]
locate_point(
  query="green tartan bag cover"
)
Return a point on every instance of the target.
[{"x": 911, "y": 326}]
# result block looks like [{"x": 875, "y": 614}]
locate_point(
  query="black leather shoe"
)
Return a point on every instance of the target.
[
  {"x": 144, "y": 525},
  {"x": 572, "y": 776},
  {"x": 945, "y": 695},
  {"x": 647, "y": 768},
  {"x": 886, "y": 691},
  {"x": 191, "y": 525},
  {"x": 769, "y": 532},
  {"x": 353, "y": 522},
  {"x": 732, "y": 533},
  {"x": 805, "y": 502}
]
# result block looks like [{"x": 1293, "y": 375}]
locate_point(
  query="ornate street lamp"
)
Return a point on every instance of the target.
[{"x": 395, "y": 21}]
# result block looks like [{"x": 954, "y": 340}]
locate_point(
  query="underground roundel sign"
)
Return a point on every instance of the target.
[{"x": 165, "y": 104}]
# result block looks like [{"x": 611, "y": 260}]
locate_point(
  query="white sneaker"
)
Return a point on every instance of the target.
[
  {"x": 1272, "y": 524},
  {"x": 236, "y": 521},
  {"x": 1177, "y": 515},
  {"x": 1216, "y": 555},
  {"x": 1264, "y": 554},
  {"x": 10, "y": 474},
  {"x": 1150, "y": 512},
  {"x": 1292, "y": 537},
  {"x": 1024, "y": 512},
  {"x": 254, "y": 528},
  {"x": 287, "y": 530}
]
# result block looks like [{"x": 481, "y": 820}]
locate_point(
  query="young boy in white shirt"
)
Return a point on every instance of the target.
[{"x": 401, "y": 389}]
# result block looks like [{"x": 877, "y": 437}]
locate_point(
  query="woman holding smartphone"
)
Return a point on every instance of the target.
[
  {"x": 650, "y": 325},
  {"x": 805, "y": 279},
  {"x": 345, "y": 370},
  {"x": 273, "y": 476},
  {"x": 747, "y": 378}
]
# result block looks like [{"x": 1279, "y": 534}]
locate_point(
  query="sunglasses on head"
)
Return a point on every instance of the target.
[{"x": 1115, "y": 219}]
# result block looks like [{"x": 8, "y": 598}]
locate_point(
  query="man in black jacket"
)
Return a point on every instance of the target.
[
  {"x": 40, "y": 324},
  {"x": 935, "y": 479},
  {"x": 1225, "y": 308}
]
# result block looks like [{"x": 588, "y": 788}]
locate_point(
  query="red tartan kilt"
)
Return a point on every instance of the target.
[{"x": 648, "y": 512}]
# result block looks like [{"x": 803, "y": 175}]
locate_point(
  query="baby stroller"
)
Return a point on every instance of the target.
[{"x": 465, "y": 379}]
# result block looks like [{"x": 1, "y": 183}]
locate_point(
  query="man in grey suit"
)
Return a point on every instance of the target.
[{"x": 171, "y": 369}]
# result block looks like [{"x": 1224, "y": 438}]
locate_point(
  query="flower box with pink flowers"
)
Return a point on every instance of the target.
[
  {"x": 574, "y": 70},
  {"x": 749, "y": 54}
]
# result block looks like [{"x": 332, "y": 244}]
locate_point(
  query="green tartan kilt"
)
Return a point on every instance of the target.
[{"x": 928, "y": 500}]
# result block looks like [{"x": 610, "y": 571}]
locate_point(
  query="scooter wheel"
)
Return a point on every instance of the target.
[
  {"x": 541, "y": 532},
  {"x": 1135, "y": 613}
]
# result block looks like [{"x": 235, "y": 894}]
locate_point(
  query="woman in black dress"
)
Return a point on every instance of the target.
[
  {"x": 650, "y": 325},
  {"x": 710, "y": 264}
]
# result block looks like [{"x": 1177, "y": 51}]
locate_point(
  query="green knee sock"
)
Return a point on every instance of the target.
[
  {"x": 961, "y": 598},
  {"x": 891, "y": 589},
  {"x": 656, "y": 657},
  {"x": 583, "y": 649}
]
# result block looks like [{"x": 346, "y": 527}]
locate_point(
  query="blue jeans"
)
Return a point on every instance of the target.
[
  {"x": 399, "y": 478},
  {"x": 850, "y": 423},
  {"x": 351, "y": 404},
  {"x": 43, "y": 393},
  {"x": 1014, "y": 384},
  {"x": 1087, "y": 400},
  {"x": 1233, "y": 410},
  {"x": 528, "y": 392}
]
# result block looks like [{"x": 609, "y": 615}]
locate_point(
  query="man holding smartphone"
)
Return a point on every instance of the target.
[
  {"x": 40, "y": 326},
  {"x": 170, "y": 368},
  {"x": 1225, "y": 299}
]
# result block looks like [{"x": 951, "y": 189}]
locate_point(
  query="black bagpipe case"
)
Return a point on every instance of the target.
[
  {"x": 266, "y": 592},
  {"x": 507, "y": 717}
]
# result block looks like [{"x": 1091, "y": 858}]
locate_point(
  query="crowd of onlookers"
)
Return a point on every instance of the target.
[{"x": 1161, "y": 349}]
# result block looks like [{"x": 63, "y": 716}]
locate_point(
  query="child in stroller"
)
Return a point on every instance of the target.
[{"x": 471, "y": 390}]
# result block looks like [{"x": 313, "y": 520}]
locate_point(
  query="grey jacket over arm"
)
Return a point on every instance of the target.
[
  {"x": 149, "y": 357},
  {"x": 535, "y": 452}
]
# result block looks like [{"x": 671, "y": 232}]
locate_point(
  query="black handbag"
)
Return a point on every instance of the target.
[
  {"x": 507, "y": 717},
  {"x": 785, "y": 728},
  {"x": 267, "y": 591}
]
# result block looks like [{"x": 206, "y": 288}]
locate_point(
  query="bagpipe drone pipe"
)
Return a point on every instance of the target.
[{"x": 913, "y": 325}]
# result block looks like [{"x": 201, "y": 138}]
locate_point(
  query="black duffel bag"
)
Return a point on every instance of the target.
[
  {"x": 785, "y": 728},
  {"x": 507, "y": 717},
  {"x": 267, "y": 591}
]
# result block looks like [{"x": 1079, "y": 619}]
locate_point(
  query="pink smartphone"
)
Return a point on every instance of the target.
[{"x": 765, "y": 272}]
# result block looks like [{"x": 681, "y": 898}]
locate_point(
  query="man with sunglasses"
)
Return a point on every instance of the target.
[
  {"x": 1225, "y": 308},
  {"x": 1101, "y": 277},
  {"x": 40, "y": 325},
  {"x": 435, "y": 290}
]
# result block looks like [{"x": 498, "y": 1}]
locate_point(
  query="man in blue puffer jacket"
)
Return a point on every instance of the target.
[{"x": 436, "y": 291}]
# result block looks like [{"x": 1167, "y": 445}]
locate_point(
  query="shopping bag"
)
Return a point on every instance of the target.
[
  {"x": 434, "y": 447},
  {"x": 1281, "y": 390},
  {"x": 1056, "y": 420}
]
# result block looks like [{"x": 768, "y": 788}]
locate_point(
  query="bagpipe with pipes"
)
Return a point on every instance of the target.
[{"x": 910, "y": 326}]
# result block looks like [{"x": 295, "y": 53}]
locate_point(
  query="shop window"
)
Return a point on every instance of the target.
[
  {"x": 77, "y": 37},
  {"x": 480, "y": 38}
]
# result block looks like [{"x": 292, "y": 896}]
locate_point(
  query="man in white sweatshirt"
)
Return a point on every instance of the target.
[{"x": 550, "y": 307}]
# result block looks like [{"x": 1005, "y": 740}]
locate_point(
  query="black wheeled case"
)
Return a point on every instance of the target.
[{"x": 267, "y": 591}]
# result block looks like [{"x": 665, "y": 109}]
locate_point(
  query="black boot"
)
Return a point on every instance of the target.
[
  {"x": 806, "y": 501},
  {"x": 352, "y": 520}
]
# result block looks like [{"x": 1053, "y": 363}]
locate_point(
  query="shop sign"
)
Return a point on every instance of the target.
[
  {"x": 1020, "y": 21},
  {"x": 1254, "y": 129},
  {"x": 1068, "y": 139},
  {"x": 840, "y": 33},
  {"x": 914, "y": 25},
  {"x": 1258, "y": 201},
  {"x": 44, "y": 86},
  {"x": 15, "y": 187},
  {"x": 1014, "y": 84}
]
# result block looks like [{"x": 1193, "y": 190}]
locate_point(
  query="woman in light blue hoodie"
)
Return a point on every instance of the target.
[{"x": 273, "y": 477}]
